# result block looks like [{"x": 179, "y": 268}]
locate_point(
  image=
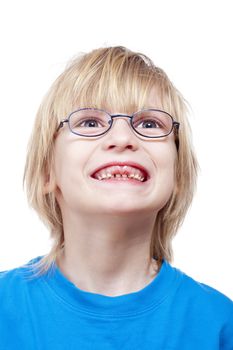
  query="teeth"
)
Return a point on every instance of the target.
[
  {"x": 119, "y": 176},
  {"x": 120, "y": 172}
]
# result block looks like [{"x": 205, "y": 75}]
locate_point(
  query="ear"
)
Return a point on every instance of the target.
[{"x": 49, "y": 183}]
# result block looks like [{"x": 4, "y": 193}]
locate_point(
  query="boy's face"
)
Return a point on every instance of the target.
[{"x": 77, "y": 157}]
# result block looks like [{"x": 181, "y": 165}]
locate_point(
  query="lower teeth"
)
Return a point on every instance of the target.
[{"x": 121, "y": 178}]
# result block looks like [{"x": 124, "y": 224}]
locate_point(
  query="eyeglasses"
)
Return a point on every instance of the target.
[{"x": 91, "y": 122}]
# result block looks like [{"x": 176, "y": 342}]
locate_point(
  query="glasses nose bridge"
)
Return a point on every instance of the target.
[{"x": 121, "y": 115}]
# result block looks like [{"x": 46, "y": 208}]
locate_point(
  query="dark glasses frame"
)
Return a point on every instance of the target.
[{"x": 174, "y": 125}]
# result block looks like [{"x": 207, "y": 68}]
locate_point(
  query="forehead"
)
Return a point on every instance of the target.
[{"x": 123, "y": 101}]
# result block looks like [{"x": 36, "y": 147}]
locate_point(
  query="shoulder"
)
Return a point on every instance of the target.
[
  {"x": 204, "y": 292},
  {"x": 206, "y": 301},
  {"x": 19, "y": 288},
  {"x": 15, "y": 283},
  {"x": 11, "y": 277},
  {"x": 28, "y": 268},
  {"x": 203, "y": 309}
]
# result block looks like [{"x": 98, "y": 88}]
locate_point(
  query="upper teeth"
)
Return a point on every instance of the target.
[{"x": 123, "y": 172}]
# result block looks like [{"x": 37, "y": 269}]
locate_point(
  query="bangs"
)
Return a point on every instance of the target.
[
  {"x": 116, "y": 80},
  {"x": 116, "y": 90}
]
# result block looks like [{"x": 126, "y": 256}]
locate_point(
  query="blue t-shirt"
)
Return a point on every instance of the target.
[{"x": 173, "y": 312}]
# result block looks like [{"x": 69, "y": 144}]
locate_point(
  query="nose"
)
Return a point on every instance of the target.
[{"x": 121, "y": 135}]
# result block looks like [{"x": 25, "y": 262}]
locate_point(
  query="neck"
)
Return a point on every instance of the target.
[{"x": 108, "y": 256}]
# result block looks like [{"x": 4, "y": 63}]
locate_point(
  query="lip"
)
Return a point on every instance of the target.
[{"x": 129, "y": 163}]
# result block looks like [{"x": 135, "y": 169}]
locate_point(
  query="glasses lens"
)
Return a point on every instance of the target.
[
  {"x": 152, "y": 123},
  {"x": 89, "y": 122}
]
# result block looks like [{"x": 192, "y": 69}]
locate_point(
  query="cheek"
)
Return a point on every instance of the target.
[
  {"x": 67, "y": 169},
  {"x": 67, "y": 163},
  {"x": 165, "y": 168},
  {"x": 71, "y": 157},
  {"x": 66, "y": 172},
  {"x": 168, "y": 167},
  {"x": 164, "y": 156},
  {"x": 166, "y": 178}
]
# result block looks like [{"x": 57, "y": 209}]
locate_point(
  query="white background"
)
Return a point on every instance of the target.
[{"x": 191, "y": 41}]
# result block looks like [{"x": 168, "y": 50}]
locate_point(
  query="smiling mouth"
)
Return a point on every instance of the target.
[{"x": 124, "y": 173}]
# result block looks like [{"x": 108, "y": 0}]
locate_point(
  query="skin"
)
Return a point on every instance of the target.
[{"x": 108, "y": 226}]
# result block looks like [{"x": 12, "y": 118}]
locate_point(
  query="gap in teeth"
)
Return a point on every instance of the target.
[
  {"x": 118, "y": 176},
  {"x": 123, "y": 172}
]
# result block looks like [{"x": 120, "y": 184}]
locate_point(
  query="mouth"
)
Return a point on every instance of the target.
[{"x": 121, "y": 171}]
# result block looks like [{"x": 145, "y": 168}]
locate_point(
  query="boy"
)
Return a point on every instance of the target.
[{"x": 111, "y": 171}]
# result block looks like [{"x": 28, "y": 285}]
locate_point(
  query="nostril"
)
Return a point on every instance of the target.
[{"x": 121, "y": 145}]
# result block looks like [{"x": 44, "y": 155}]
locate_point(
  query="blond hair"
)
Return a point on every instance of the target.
[{"x": 119, "y": 79}]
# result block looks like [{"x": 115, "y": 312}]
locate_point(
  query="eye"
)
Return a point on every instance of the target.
[
  {"x": 80, "y": 121},
  {"x": 148, "y": 123},
  {"x": 89, "y": 119},
  {"x": 89, "y": 123}
]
